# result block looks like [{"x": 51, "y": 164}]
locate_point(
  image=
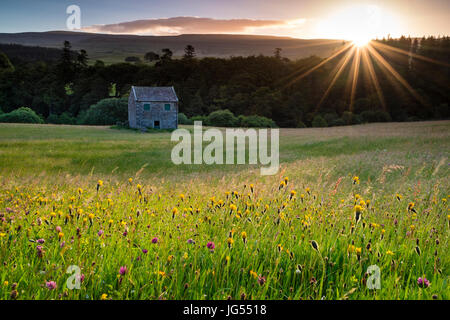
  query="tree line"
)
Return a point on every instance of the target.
[{"x": 66, "y": 88}]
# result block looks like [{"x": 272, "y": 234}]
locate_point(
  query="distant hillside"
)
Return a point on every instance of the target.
[{"x": 116, "y": 47}]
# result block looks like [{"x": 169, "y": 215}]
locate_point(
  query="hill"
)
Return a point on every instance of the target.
[{"x": 113, "y": 48}]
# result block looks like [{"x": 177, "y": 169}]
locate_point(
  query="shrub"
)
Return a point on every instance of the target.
[
  {"x": 21, "y": 115},
  {"x": 64, "y": 118},
  {"x": 256, "y": 122},
  {"x": 375, "y": 116},
  {"x": 350, "y": 118},
  {"x": 183, "y": 119},
  {"x": 106, "y": 112},
  {"x": 330, "y": 117},
  {"x": 301, "y": 124},
  {"x": 199, "y": 118},
  {"x": 338, "y": 122},
  {"x": 319, "y": 122},
  {"x": 222, "y": 118}
]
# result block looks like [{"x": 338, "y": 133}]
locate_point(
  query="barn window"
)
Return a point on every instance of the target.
[
  {"x": 167, "y": 107},
  {"x": 147, "y": 106}
]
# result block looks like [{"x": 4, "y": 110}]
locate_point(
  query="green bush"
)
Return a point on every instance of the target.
[
  {"x": 337, "y": 122},
  {"x": 319, "y": 122},
  {"x": 256, "y": 122},
  {"x": 222, "y": 118},
  {"x": 375, "y": 116},
  {"x": 301, "y": 124},
  {"x": 199, "y": 118},
  {"x": 64, "y": 118},
  {"x": 106, "y": 112},
  {"x": 183, "y": 119},
  {"x": 350, "y": 118},
  {"x": 21, "y": 115},
  {"x": 330, "y": 117}
]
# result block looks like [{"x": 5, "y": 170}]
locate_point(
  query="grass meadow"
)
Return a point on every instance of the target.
[{"x": 137, "y": 226}]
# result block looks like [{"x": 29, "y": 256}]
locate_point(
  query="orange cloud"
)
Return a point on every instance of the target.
[{"x": 195, "y": 25}]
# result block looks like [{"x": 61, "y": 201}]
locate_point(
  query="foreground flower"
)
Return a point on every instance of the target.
[
  {"x": 210, "y": 245},
  {"x": 155, "y": 240},
  {"x": 261, "y": 280},
  {"x": 123, "y": 270},
  {"x": 423, "y": 282},
  {"x": 104, "y": 296},
  {"x": 51, "y": 285}
]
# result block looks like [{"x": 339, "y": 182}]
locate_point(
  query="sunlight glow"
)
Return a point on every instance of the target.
[{"x": 359, "y": 24}]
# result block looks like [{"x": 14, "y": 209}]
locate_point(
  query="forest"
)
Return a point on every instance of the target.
[{"x": 405, "y": 79}]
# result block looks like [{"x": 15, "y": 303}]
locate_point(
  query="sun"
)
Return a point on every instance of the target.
[{"x": 361, "y": 41}]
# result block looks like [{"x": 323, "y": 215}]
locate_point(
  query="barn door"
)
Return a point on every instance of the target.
[{"x": 156, "y": 124}]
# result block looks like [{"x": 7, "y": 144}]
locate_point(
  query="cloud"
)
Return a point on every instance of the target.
[{"x": 196, "y": 25}]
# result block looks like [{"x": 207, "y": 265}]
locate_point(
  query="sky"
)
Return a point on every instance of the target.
[{"x": 331, "y": 19}]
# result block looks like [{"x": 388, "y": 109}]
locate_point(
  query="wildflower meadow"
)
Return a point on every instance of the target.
[{"x": 354, "y": 213}]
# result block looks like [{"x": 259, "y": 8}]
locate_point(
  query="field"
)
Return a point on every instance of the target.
[{"x": 139, "y": 227}]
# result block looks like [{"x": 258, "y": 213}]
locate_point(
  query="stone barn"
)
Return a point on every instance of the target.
[{"x": 153, "y": 107}]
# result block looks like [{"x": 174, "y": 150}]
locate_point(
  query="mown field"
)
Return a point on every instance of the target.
[{"x": 138, "y": 227}]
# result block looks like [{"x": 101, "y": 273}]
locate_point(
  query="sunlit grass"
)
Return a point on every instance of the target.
[{"x": 50, "y": 176}]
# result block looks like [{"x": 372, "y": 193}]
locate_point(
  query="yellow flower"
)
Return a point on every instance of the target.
[
  {"x": 130, "y": 180},
  {"x": 182, "y": 196},
  {"x": 230, "y": 241},
  {"x": 174, "y": 210},
  {"x": 244, "y": 235},
  {"x": 233, "y": 207},
  {"x": 80, "y": 191},
  {"x": 91, "y": 216},
  {"x": 5, "y": 283},
  {"x": 351, "y": 248},
  {"x": 389, "y": 252},
  {"x": 253, "y": 274},
  {"x": 358, "y": 251},
  {"x": 60, "y": 235},
  {"x": 2, "y": 234},
  {"x": 104, "y": 296},
  {"x": 358, "y": 208},
  {"x": 412, "y": 227},
  {"x": 170, "y": 258},
  {"x": 99, "y": 183},
  {"x": 355, "y": 180}
]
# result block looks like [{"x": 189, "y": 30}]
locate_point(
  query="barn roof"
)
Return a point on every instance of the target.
[{"x": 154, "y": 94}]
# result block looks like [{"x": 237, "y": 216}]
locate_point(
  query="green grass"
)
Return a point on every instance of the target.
[{"x": 43, "y": 167}]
